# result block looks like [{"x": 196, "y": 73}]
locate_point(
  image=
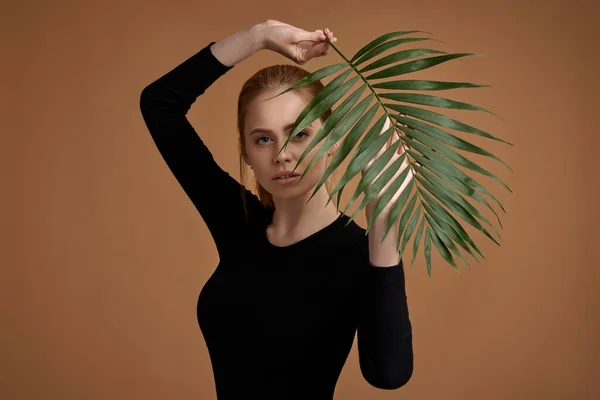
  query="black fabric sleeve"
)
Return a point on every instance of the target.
[
  {"x": 164, "y": 104},
  {"x": 384, "y": 328}
]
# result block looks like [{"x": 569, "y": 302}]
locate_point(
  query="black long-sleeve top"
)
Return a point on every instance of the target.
[{"x": 278, "y": 322}]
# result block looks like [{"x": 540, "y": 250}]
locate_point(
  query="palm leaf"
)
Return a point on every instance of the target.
[
  {"x": 427, "y": 250},
  {"x": 416, "y": 242},
  {"x": 436, "y": 156},
  {"x": 409, "y": 229}
]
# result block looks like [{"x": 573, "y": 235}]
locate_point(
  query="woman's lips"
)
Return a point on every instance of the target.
[{"x": 283, "y": 181}]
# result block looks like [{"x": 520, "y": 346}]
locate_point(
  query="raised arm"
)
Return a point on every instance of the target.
[{"x": 164, "y": 104}]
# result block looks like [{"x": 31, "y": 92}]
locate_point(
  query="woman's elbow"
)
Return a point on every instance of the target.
[{"x": 389, "y": 378}]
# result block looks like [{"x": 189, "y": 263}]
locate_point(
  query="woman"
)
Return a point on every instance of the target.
[{"x": 294, "y": 284}]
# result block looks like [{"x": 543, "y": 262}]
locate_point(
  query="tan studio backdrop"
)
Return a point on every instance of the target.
[{"x": 103, "y": 255}]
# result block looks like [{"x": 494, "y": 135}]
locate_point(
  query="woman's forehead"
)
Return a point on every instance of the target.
[{"x": 275, "y": 113}]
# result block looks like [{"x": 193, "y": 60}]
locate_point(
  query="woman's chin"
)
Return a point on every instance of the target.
[{"x": 288, "y": 190}]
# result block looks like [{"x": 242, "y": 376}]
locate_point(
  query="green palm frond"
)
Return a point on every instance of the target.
[{"x": 437, "y": 197}]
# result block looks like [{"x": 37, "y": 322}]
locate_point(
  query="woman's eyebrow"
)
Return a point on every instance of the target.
[{"x": 265, "y": 130}]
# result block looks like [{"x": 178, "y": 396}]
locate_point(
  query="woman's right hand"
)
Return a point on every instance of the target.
[{"x": 294, "y": 43}]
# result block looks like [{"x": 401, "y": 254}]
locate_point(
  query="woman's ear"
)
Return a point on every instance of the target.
[{"x": 246, "y": 159}]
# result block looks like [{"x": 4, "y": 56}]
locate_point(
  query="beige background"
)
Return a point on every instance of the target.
[{"x": 103, "y": 255}]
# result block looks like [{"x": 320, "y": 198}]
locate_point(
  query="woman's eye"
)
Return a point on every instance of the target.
[
  {"x": 259, "y": 140},
  {"x": 301, "y": 135}
]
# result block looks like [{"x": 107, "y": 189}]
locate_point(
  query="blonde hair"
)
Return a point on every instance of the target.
[{"x": 275, "y": 78}]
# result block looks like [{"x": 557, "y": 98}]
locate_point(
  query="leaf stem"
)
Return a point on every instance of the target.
[
  {"x": 380, "y": 102},
  {"x": 410, "y": 163}
]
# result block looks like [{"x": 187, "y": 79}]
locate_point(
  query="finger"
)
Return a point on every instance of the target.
[
  {"x": 320, "y": 34},
  {"x": 320, "y": 50},
  {"x": 395, "y": 136},
  {"x": 315, "y": 36},
  {"x": 386, "y": 126}
]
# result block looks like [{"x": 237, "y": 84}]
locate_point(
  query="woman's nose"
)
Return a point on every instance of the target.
[{"x": 282, "y": 155}]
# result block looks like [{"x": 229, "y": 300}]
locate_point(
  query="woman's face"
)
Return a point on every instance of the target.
[{"x": 267, "y": 127}]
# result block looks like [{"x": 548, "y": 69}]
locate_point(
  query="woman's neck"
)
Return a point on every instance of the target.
[{"x": 295, "y": 219}]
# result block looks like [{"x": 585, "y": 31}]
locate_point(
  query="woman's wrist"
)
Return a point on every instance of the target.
[
  {"x": 239, "y": 46},
  {"x": 259, "y": 38}
]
